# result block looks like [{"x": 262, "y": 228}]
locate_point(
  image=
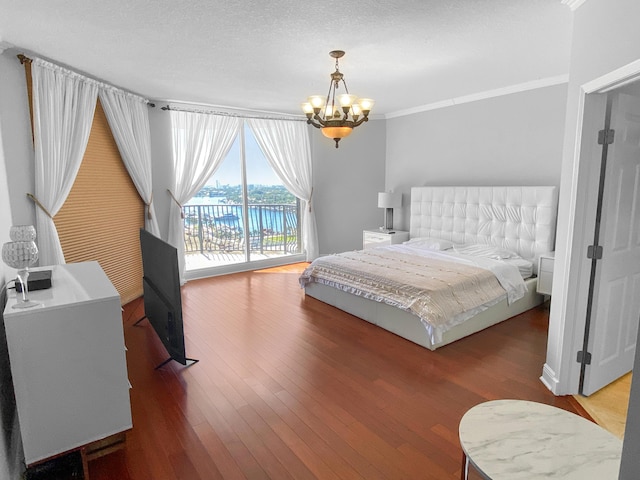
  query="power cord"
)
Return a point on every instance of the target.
[
  {"x": 6, "y": 287},
  {"x": 3, "y": 292}
]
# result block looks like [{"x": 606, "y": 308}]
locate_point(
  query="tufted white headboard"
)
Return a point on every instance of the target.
[{"x": 520, "y": 219}]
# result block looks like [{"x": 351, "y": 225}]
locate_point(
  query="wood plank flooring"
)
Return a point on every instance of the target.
[
  {"x": 608, "y": 406},
  {"x": 287, "y": 387}
]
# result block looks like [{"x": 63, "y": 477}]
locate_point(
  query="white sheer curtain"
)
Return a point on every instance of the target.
[
  {"x": 63, "y": 107},
  {"x": 285, "y": 143},
  {"x": 200, "y": 144},
  {"x": 129, "y": 121}
]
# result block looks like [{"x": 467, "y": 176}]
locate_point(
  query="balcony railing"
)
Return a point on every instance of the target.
[{"x": 218, "y": 229}]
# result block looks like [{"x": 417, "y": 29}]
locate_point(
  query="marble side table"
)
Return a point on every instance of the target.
[{"x": 515, "y": 439}]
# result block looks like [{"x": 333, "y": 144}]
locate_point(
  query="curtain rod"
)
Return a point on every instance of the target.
[
  {"x": 231, "y": 114},
  {"x": 24, "y": 59}
]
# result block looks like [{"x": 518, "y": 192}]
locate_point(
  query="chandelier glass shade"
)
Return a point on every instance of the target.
[{"x": 336, "y": 115}]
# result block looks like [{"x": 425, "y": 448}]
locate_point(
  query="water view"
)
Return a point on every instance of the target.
[{"x": 214, "y": 221}]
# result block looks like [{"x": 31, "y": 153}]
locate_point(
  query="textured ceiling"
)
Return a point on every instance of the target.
[{"x": 270, "y": 55}]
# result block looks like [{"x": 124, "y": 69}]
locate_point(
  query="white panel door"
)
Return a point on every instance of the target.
[{"x": 616, "y": 298}]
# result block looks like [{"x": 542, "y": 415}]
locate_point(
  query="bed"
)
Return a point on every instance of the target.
[{"x": 519, "y": 219}]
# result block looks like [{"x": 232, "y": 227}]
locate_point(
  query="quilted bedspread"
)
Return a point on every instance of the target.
[{"x": 431, "y": 285}]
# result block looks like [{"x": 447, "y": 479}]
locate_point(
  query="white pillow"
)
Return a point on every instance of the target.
[
  {"x": 487, "y": 251},
  {"x": 429, "y": 243}
]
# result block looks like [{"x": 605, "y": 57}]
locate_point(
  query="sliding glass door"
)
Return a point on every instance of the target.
[{"x": 243, "y": 215}]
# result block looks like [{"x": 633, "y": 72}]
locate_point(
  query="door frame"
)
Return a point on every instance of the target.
[{"x": 568, "y": 309}]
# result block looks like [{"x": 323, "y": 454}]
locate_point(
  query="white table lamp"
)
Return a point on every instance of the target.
[
  {"x": 20, "y": 254},
  {"x": 389, "y": 201}
]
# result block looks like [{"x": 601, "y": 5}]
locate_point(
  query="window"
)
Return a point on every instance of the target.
[{"x": 243, "y": 214}]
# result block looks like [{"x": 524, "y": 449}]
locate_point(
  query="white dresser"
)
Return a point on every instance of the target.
[
  {"x": 68, "y": 362},
  {"x": 379, "y": 238}
]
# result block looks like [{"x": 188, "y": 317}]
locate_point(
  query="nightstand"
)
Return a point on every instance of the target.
[
  {"x": 379, "y": 238},
  {"x": 545, "y": 273}
]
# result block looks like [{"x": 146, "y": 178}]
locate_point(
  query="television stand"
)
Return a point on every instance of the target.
[{"x": 188, "y": 362}]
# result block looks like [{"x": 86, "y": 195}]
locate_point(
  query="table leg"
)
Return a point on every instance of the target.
[
  {"x": 464, "y": 471},
  {"x": 85, "y": 463}
]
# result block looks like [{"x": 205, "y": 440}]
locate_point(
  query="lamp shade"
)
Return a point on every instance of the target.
[
  {"x": 389, "y": 200},
  {"x": 336, "y": 132}
]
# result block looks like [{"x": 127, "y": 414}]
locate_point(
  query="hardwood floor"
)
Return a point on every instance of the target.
[
  {"x": 608, "y": 406},
  {"x": 287, "y": 387}
]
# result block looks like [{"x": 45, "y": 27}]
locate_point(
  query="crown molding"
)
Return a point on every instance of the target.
[
  {"x": 521, "y": 87},
  {"x": 573, "y": 4}
]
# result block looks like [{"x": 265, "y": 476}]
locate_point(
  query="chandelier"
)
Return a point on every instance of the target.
[{"x": 337, "y": 120}]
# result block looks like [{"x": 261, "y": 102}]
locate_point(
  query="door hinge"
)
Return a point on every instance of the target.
[
  {"x": 594, "y": 252},
  {"x": 586, "y": 356},
  {"x": 605, "y": 137}
]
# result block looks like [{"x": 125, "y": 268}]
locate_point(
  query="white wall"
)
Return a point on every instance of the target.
[
  {"x": 10, "y": 449},
  {"x": 16, "y": 134},
  {"x": 346, "y": 182},
  {"x": 513, "y": 139}
]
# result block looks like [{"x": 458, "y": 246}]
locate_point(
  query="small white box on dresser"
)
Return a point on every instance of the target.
[
  {"x": 545, "y": 273},
  {"x": 379, "y": 238}
]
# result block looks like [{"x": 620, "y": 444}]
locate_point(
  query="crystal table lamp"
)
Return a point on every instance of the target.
[{"x": 20, "y": 254}]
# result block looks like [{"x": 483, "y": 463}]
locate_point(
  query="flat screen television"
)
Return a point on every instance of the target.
[{"x": 162, "y": 296}]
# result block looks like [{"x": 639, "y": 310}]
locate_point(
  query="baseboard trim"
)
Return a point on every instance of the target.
[{"x": 549, "y": 379}]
